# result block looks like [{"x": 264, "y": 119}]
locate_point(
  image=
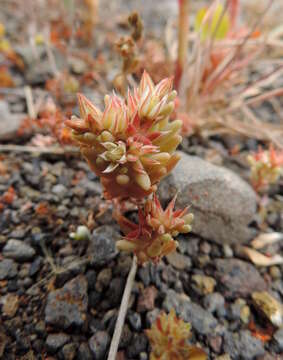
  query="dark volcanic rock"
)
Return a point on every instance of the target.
[
  {"x": 138, "y": 345},
  {"x": 66, "y": 307},
  {"x": 84, "y": 352},
  {"x": 18, "y": 250},
  {"x": 238, "y": 277},
  {"x": 135, "y": 321},
  {"x": 69, "y": 351},
  {"x": 102, "y": 245},
  {"x": 54, "y": 342},
  {"x": 98, "y": 344},
  {"x": 242, "y": 345},
  {"x": 202, "y": 321},
  {"x": 278, "y": 338},
  {"x": 8, "y": 269},
  {"x": 214, "y": 302}
]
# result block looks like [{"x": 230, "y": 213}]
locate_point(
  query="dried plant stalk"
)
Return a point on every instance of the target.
[
  {"x": 123, "y": 311},
  {"x": 182, "y": 40}
]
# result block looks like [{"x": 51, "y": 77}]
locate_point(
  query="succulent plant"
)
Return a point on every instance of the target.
[
  {"x": 168, "y": 338},
  {"x": 266, "y": 167},
  {"x": 153, "y": 236},
  {"x": 131, "y": 144}
]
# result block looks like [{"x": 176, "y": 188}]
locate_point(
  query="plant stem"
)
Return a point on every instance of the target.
[
  {"x": 182, "y": 40},
  {"x": 123, "y": 311}
]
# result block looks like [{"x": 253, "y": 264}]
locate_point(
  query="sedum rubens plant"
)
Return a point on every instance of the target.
[
  {"x": 131, "y": 147},
  {"x": 131, "y": 144},
  {"x": 266, "y": 167},
  {"x": 168, "y": 338},
  {"x": 154, "y": 236}
]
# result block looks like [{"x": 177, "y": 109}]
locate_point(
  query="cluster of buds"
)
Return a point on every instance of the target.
[
  {"x": 266, "y": 167},
  {"x": 127, "y": 47},
  {"x": 153, "y": 236},
  {"x": 168, "y": 338},
  {"x": 131, "y": 144}
]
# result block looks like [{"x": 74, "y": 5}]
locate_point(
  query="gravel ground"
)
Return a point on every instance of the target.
[{"x": 60, "y": 296}]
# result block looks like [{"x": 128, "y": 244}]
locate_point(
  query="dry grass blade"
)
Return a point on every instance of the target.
[
  {"x": 56, "y": 150},
  {"x": 251, "y": 127},
  {"x": 224, "y": 65},
  {"x": 263, "y": 240},
  {"x": 262, "y": 260}
]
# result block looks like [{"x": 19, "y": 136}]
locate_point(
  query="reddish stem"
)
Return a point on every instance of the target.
[
  {"x": 182, "y": 40},
  {"x": 233, "y": 6}
]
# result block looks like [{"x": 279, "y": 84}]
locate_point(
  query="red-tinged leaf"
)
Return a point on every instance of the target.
[
  {"x": 159, "y": 325},
  {"x": 76, "y": 124}
]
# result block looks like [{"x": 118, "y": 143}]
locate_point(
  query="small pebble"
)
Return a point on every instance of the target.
[
  {"x": 18, "y": 250},
  {"x": 275, "y": 272},
  {"x": 202, "y": 284},
  {"x": 98, "y": 344},
  {"x": 135, "y": 321},
  {"x": 103, "y": 279}
]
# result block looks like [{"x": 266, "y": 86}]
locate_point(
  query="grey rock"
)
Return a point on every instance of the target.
[
  {"x": 94, "y": 298},
  {"x": 66, "y": 307},
  {"x": 179, "y": 261},
  {"x": 191, "y": 246},
  {"x": 98, "y": 344},
  {"x": 235, "y": 309},
  {"x": 202, "y": 321},
  {"x": 144, "y": 274},
  {"x": 54, "y": 342},
  {"x": 238, "y": 278},
  {"x": 91, "y": 279},
  {"x": 35, "y": 266},
  {"x": 267, "y": 356},
  {"x": 222, "y": 203},
  {"x": 278, "y": 286},
  {"x": 103, "y": 279},
  {"x": 102, "y": 247},
  {"x": 138, "y": 344},
  {"x": 8, "y": 269},
  {"x": 151, "y": 316},
  {"x": 38, "y": 72},
  {"x": 84, "y": 352},
  {"x": 124, "y": 263},
  {"x": 69, "y": 351},
  {"x": 278, "y": 338},
  {"x": 18, "y": 250},
  {"x": 135, "y": 321},
  {"x": 125, "y": 337},
  {"x": 214, "y": 302},
  {"x": 115, "y": 291},
  {"x": 60, "y": 190},
  {"x": 9, "y": 123},
  {"x": 28, "y": 56},
  {"x": 242, "y": 345}
]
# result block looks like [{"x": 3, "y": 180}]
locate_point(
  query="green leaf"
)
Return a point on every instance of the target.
[{"x": 213, "y": 26}]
